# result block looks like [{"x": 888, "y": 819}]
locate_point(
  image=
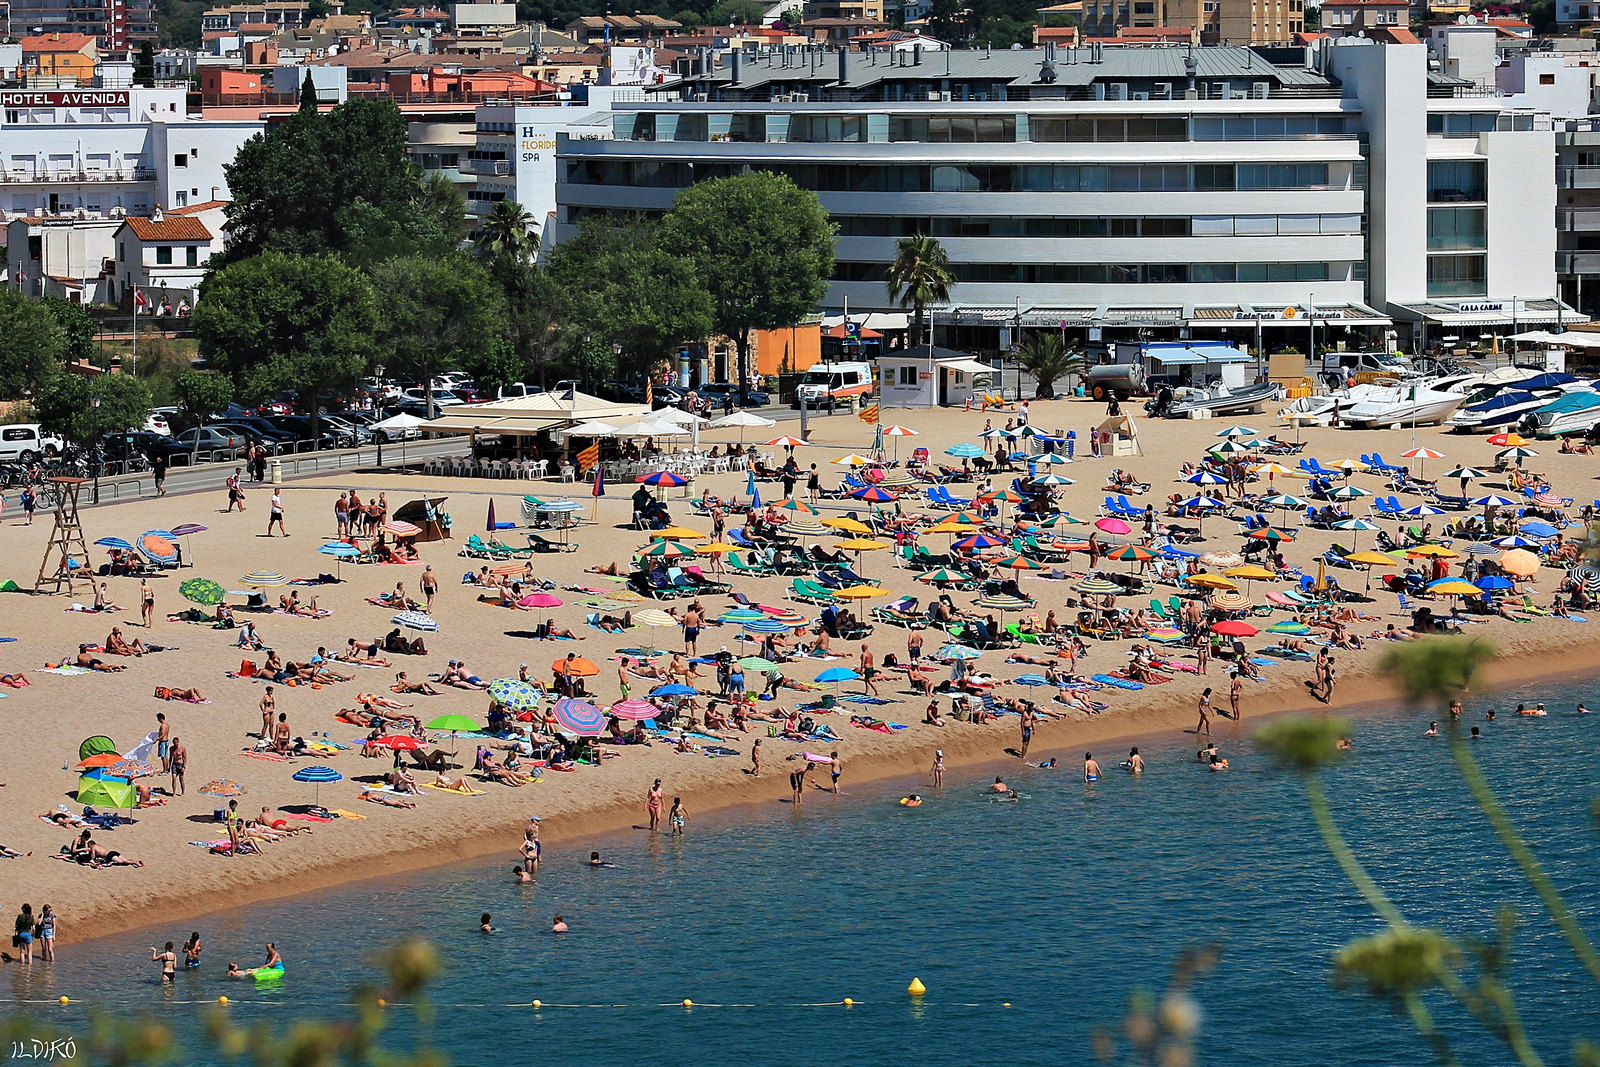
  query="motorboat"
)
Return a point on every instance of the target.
[
  {"x": 1311, "y": 410},
  {"x": 1568, "y": 413},
  {"x": 1220, "y": 400},
  {"x": 1505, "y": 408},
  {"x": 1417, "y": 405}
]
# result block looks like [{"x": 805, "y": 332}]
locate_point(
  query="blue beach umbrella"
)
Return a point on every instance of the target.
[
  {"x": 770, "y": 626},
  {"x": 1423, "y": 509},
  {"x": 115, "y": 542},
  {"x": 673, "y": 690},
  {"x": 1493, "y": 501},
  {"x": 416, "y": 620},
  {"x": 1204, "y": 502},
  {"x": 317, "y": 775},
  {"x": 965, "y": 451},
  {"x": 751, "y": 491},
  {"x": 1493, "y": 581},
  {"x": 1237, "y": 431},
  {"x": 1031, "y": 679},
  {"x": 1538, "y": 529},
  {"x": 959, "y": 652},
  {"x": 1204, "y": 477},
  {"x": 836, "y": 675},
  {"x": 1515, "y": 541},
  {"x": 742, "y": 615},
  {"x": 340, "y": 550}
]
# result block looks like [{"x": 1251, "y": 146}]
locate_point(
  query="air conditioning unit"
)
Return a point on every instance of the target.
[
  {"x": 1139, "y": 96},
  {"x": 701, "y": 98},
  {"x": 934, "y": 97},
  {"x": 1260, "y": 90},
  {"x": 944, "y": 97},
  {"x": 800, "y": 98},
  {"x": 1161, "y": 91}
]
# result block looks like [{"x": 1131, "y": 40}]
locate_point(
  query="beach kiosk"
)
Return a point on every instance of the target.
[{"x": 1119, "y": 437}]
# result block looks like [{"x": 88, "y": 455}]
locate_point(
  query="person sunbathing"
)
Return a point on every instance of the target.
[
  {"x": 405, "y": 685},
  {"x": 93, "y": 663},
  {"x": 117, "y": 645},
  {"x": 456, "y": 675},
  {"x": 1022, "y": 657},
  {"x": 370, "y": 747},
  {"x": 374, "y": 700},
  {"x": 110, "y": 857},
  {"x": 192, "y": 695},
  {"x": 402, "y": 782},
  {"x": 102, "y": 599},
  {"x": 611, "y": 624},
  {"x": 367, "y": 654},
  {"x": 498, "y": 773},
  {"x": 388, "y": 801},
  {"x": 454, "y": 785},
  {"x": 15, "y": 681},
  {"x": 64, "y": 818},
  {"x": 612, "y": 570},
  {"x": 394, "y": 642}
]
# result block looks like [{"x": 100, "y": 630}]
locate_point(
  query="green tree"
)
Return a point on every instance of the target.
[
  {"x": 919, "y": 276},
  {"x": 202, "y": 394},
  {"x": 434, "y": 314},
  {"x": 328, "y": 183},
  {"x": 144, "y": 68},
  {"x": 792, "y": 17},
  {"x": 278, "y": 321},
  {"x": 1046, "y": 356},
  {"x": 77, "y": 326},
  {"x": 32, "y": 345},
  {"x": 65, "y": 405},
  {"x": 536, "y": 306},
  {"x": 735, "y": 12},
  {"x": 624, "y": 288},
  {"x": 507, "y": 233},
  {"x": 760, "y": 245}
]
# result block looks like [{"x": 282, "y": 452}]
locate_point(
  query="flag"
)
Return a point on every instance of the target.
[
  {"x": 869, "y": 414},
  {"x": 569, "y": 394},
  {"x": 139, "y": 299},
  {"x": 600, "y": 483},
  {"x": 589, "y": 458},
  {"x": 649, "y": 393}
]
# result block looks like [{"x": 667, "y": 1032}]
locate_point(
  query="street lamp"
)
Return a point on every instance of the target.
[
  {"x": 377, "y": 370},
  {"x": 94, "y": 426}
]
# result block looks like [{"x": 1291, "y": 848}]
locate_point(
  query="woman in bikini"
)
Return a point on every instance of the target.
[
  {"x": 652, "y": 805},
  {"x": 147, "y": 603},
  {"x": 403, "y": 685}
]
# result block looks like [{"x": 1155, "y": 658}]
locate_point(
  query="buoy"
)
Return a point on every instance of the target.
[
  {"x": 222, "y": 1000},
  {"x": 63, "y": 1000},
  {"x": 382, "y": 1003},
  {"x": 848, "y": 1002},
  {"x": 688, "y": 1003},
  {"x": 916, "y": 988},
  {"x": 538, "y": 1003},
  {"x": 1007, "y": 1004}
]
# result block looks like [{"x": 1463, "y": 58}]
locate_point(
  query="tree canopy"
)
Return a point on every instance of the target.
[
  {"x": 77, "y": 326},
  {"x": 919, "y": 276},
  {"x": 434, "y": 314},
  {"x": 761, "y": 246},
  {"x": 65, "y": 405},
  {"x": 32, "y": 344}
]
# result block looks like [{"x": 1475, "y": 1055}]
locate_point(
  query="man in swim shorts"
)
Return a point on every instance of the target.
[{"x": 1091, "y": 769}]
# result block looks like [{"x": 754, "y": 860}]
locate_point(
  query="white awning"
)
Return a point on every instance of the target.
[
  {"x": 967, "y": 366},
  {"x": 1569, "y": 339}
]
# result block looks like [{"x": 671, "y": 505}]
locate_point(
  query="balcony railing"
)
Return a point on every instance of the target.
[
  {"x": 487, "y": 166},
  {"x": 71, "y": 174},
  {"x": 1578, "y": 177}
]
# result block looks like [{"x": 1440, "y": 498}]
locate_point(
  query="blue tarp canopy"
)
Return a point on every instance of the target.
[{"x": 1180, "y": 355}]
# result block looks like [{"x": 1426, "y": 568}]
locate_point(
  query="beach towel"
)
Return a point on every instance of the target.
[
  {"x": 270, "y": 757},
  {"x": 302, "y": 816},
  {"x": 68, "y": 669},
  {"x": 391, "y": 790},
  {"x": 88, "y": 609},
  {"x": 441, "y": 789},
  {"x": 321, "y": 613},
  {"x": 1119, "y": 683},
  {"x": 345, "y": 814}
]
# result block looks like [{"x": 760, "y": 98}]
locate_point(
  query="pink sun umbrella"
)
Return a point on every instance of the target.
[
  {"x": 1113, "y": 526},
  {"x": 540, "y": 600},
  {"x": 634, "y": 710}
]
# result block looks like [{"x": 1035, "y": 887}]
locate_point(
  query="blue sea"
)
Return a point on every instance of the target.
[{"x": 1029, "y": 923}]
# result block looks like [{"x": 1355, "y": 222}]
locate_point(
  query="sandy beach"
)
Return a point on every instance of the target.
[{"x": 47, "y": 720}]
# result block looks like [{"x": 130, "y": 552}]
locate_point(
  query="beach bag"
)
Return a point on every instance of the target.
[{"x": 247, "y": 668}]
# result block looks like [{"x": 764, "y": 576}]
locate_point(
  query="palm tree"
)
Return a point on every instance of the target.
[
  {"x": 919, "y": 276},
  {"x": 507, "y": 231},
  {"x": 1046, "y": 356}
]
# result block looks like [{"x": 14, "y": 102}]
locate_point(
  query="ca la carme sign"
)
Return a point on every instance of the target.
[{"x": 65, "y": 98}]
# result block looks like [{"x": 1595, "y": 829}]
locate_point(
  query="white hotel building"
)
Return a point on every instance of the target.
[{"x": 1125, "y": 187}]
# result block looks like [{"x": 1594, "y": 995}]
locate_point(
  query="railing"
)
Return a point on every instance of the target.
[
  {"x": 1578, "y": 177},
  {"x": 73, "y": 174},
  {"x": 487, "y": 166}
]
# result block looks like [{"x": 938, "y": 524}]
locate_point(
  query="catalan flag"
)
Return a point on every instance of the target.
[
  {"x": 869, "y": 414},
  {"x": 589, "y": 458}
]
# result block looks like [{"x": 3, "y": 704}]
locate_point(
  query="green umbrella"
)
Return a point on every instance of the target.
[
  {"x": 453, "y": 723},
  {"x": 202, "y": 591},
  {"x": 105, "y": 792},
  {"x": 513, "y": 694},
  {"x": 757, "y": 663}
]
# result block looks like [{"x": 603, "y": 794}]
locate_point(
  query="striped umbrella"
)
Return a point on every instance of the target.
[
  {"x": 579, "y": 716},
  {"x": 799, "y": 507},
  {"x": 1272, "y": 536},
  {"x": 804, "y": 527},
  {"x": 1131, "y": 554},
  {"x": 1493, "y": 500},
  {"x": 771, "y": 626},
  {"x": 1020, "y": 563},
  {"x": 1205, "y": 477},
  {"x": 785, "y": 439},
  {"x": 666, "y": 549},
  {"x": 1237, "y": 431},
  {"x": 1164, "y": 634},
  {"x": 115, "y": 542},
  {"x": 662, "y": 478},
  {"x": 317, "y": 775},
  {"x": 944, "y": 574},
  {"x": 514, "y": 694},
  {"x": 965, "y": 451},
  {"x": 898, "y": 479},
  {"x": 1230, "y": 600},
  {"x": 1286, "y": 502},
  {"x": 1053, "y": 459},
  {"x": 1206, "y": 503},
  {"x": 1587, "y": 575},
  {"x": 736, "y": 615},
  {"x": 978, "y": 541},
  {"x": 416, "y": 620},
  {"x": 1097, "y": 586},
  {"x": 263, "y": 579},
  {"x": 1003, "y": 602},
  {"x": 634, "y": 710},
  {"x": 184, "y": 529},
  {"x": 1288, "y": 626},
  {"x": 873, "y": 494},
  {"x": 401, "y": 528},
  {"x": 1051, "y": 479},
  {"x": 340, "y": 550},
  {"x": 1423, "y": 509},
  {"x": 1349, "y": 492},
  {"x": 852, "y": 460}
]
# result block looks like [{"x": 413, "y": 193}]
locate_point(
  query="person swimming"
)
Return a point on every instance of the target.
[
  {"x": 1091, "y": 769},
  {"x": 1134, "y": 762},
  {"x": 1205, "y": 754},
  {"x": 1476, "y": 736},
  {"x": 1433, "y": 729},
  {"x": 1218, "y": 763},
  {"x": 1582, "y": 710},
  {"x": 558, "y": 925},
  {"x": 1048, "y": 765},
  {"x": 999, "y": 785},
  {"x": 483, "y": 924},
  {"x": 911, "y": 801}
]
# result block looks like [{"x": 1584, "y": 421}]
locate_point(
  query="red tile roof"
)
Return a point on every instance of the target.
[
  {"x": 195, "y": 209},
  {"x": 179, "y": 228},
  {"x": 57, "y": 42}
]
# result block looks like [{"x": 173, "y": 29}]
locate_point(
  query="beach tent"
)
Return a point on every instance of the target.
[
  {"x": 105, "y": 792},
  {"x": 424, "y": 515},
  {"x": 97, "y": 745},
  {"x": 1119, "y": 437}
]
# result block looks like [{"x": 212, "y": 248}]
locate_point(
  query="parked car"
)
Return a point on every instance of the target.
[
  {"x": 24, "y": 441},
  {"x": 211, "y": 439},
  {"x": 441, "y": 397},
  {"x": 366, "y": 419},
  {"x": 518, "y": 389},
  {"x": 300, "y": 426},
  {"x": 157, "y": 423},
  {"x": 715, "y": 391},
  {"x": 120, "y": 446},
  {"x": 344, "y": 426}
]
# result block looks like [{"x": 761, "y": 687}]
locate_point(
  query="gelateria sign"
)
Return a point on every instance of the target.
[{"x": 65, "y": 98}]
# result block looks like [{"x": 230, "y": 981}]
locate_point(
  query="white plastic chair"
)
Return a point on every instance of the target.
[
  {"x": 569, "y": 473},
  {"x": 541, "y": 469}
]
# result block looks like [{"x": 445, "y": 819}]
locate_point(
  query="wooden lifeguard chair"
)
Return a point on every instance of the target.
[{"x": 66, "y": 557}]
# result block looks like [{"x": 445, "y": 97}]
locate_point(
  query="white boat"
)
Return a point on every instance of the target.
[
  {"x": 1569, "y": 413},
  {"x": 1505, "y": 408},
  {"x": 1311, "y": 410},
  {"x": 1417, "y": 405},
  {"x": 1220, "y": 400}
]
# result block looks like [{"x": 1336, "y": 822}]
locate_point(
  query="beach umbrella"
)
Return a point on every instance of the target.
[
  {"x": 222, "y": 787},
  {"x": 965, "y": 451},
  {"x": 1464, "y": 473},
  {"x": 1515, "y": 440},
  {"x": 716, "y": 548},
  {"x": 1372, "y": 559},
  {"x": 1221, "y": 560},
  {"x": 662, "y": 479},
  {"x": 674, "y": 533},
  {"x": 1003, "y": 602},
  {"x": 1237, "y": 431},
  {"x": 1454, "y": 587},
  {"x": 1273, "y": 469},
  {"x": 340, "y": 551},
  {"x": 862, "y": 544},
  {"x": 1481, "y": 550},
  {"x": 202, "y": 591},
  {"x": 835, "y": 675},
  {"x": 1432, "y": 551},
  {"x": 1587, "y": 575},
  {"x": 1517, "y": 453},
  {"x": 1493, "y": 500},
  {"x": 1230, "y": 600},
  {"x": 898, "y": 478},
  {"x": 579, "y": 717},
  {"x": 950, "y": 526},
  {"x": 797, "y": 507},
  {"x": 1349, "y": 492},
  {"x": 514, "y": 694},
  {"x": 1031, "y": 679},
  {"x": 741, "y": 418},
  {"x": 740, "y": 615},
  {"x": 317, "y": 775},
  {"x": 634, "y": 710},
  {"x": 852, "y": 460},
  {"x": 1286, "y": 502},
  {"x": 978, "y": 541},
  {"x": 106, "y": 793},
  {"x": 1205, "y": 477},
  {"x": 1233, "y": 627},
  {"x": 1423, "y": 454},
  {"x": 772, "y": 625},
  {"x": 1113, "y": 525},
  {"x": 848, "y": 525},
  {"x": 1097, "y": 586},
  {"x": 944, "y": 574},
  {"x": 787, "y": 441},
  {"x": 954, "y": 652},
  {"x": 1204, "y": 502},
  {"x": 1050, "y": 459},
  {"x": 1538, "y": 529},
  {"x": 1166, "y": 635},
  {"x": 399, "y": 742},
  {"x": 998, "y": 432},
  {"x": 115, "y": 542},
  {"x": 1131, "y": 554},
  {"x": 1494, "y": 582},
  {"x": 400, "y": 528},
  {"x": 673, "y": 690},
  {"x": 1020, "y": 563},
  {"x": 263, "y": 579},
  {"x": 100, "y": 759},
  {"x": 1211, "y": 581},
  {"x": 862, "y": 592},
  {"x": 453, "y": 723},
  {"x": 804, "y": 527},
  {"x": 654, "y": 617},
  {"x": 873, "y": 494},
  {"x": 416, "y": 620},
  {"x": 1251, "y": 572},
  {"x": 575, "y": 666},
  {"x": 539, "y": 600},
  {"x": 1051, "y": 479},
  {"x": 758, "y": 663},
  {"x": 1288, "y": 626},
  {"x": 1520, "y": 562},
  {"x": 1356, "y": 526},
  {"x": 1423, "y": 509},
  {"x": 1230, "y": 446},
  {"x": 665, "y": 550},
  {"x": 1272, "y": 536}
]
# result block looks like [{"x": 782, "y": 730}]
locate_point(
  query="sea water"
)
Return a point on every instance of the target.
[{"x": 1029, "y": 923}]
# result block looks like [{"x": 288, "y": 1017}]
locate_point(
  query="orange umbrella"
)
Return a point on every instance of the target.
[
  {"x": 575, "y": 667},
  {"x": 1520, "y": 562},
  {"x": 510, "y": 568},
  {"x": 104, "y": 759}
]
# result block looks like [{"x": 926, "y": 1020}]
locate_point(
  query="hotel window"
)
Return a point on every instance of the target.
[
  {"x": 1456, "y": 276},
  {"x": 1456, "y": 180},
  {"x": 164, "y": 256},
  {"x": 1456, "y": 228},
  {"x": 191, "y": 256}
]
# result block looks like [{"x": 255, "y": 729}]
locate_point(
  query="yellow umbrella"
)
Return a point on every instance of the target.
[
  {"x": 862, "y": 544},
  {"x": 1371, "y": 559},
  {"x": 674, "y": 533},
  {"x": 1279, "y": 468},
  {"x": 716, "y": 548},
  {"x": 1211, "y": 581},
  {"x": 1438, "y": 551},
  {"x": 1457, "y": 587},
  {"x": 862, "y": 592},
  {"x": 1520, "y": 562},
  {"x": 1250, "y": 571},
  {"x": 847, "y": 524},
  {"x": 948, "y": 527}
]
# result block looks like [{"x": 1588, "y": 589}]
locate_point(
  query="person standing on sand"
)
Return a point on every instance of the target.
[
  {"x": 430, "y": 586},
  {"x": 179, "y": 762},
  {"x": 235, "y": 490},
  {"x": 1204, "y": 704},
  {"x": 1328, "y": 679},
  {"x": 755, "y": 759},
  {"x": 275, "y": 514},
  {"x": 869, "y": 671},
  {"x": 1233, "y": 696},
  {"x": 269, "y": 704},
  {"x": 652, "y": 805},
  {"x": 164, "y": 742},
  {"x": 691, "y": 630},
  {"x": 147, "y": 603}
]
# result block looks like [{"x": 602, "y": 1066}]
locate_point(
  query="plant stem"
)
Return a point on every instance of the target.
[
  {"x": 1423, "y": 1020},
  {"x": 1532, "y": 869},
  {"x": 1347, "y": 859}
]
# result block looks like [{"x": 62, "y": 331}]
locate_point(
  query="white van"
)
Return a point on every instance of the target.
[
  {"x": 827, "y": 384},
  {"x": 25, "y": 442}
]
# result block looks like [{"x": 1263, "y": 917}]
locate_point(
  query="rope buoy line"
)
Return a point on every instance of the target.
[{"x": 538, "y": 1005}]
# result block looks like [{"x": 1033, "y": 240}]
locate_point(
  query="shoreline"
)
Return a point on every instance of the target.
[{"x": 969, "y": 750}]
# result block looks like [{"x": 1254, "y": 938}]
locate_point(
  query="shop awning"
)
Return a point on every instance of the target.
[
  {"x": 1195, "y": 354},
  {"x": 528, "y": 415},
  {"x": 1568, "y": 338},
  {"x": 1488, "y": 312},
  {"x": 967, "y": 366}
]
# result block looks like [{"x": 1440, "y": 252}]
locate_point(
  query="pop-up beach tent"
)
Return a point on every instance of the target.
[{"x": 424, "y": 515}]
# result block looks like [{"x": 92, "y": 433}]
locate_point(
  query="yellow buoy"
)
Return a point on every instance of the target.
[
  {"x": 916, "y": 988},
  {"x": 222, "y": 1000},
  {"x": 538, "y": 1003},
  {"x": 848, "y": 1002},
  {"x": 1007, "y": 1004},
  {"x": 688, "y": 1003},
  {"x": 63, "y": 1000},
  {"x": 382, "y": 1003}
]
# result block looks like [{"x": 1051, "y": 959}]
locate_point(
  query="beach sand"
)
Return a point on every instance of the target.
[{"x": 46, "y": 722}]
